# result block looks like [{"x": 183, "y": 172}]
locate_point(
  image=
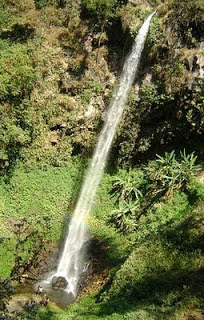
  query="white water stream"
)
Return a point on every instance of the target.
[{"x": 71, "y": 263}]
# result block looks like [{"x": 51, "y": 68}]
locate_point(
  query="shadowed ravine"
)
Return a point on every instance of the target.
[{"x": 72, "y": 262}]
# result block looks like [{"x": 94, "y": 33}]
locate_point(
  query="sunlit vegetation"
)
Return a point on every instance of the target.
[{"x": 59, "y": 62}]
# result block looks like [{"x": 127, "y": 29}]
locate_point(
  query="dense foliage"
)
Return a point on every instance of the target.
[
  {"x": 59, "y": 62},
  {"x": 55, "y": 84},
  {"x": 136, "y": 192}
]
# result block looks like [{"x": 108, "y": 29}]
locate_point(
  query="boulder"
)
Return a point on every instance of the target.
[{"x": 59, "y": 282}]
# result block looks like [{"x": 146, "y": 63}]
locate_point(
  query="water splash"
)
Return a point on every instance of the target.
[{"x": 71, "y": 263}]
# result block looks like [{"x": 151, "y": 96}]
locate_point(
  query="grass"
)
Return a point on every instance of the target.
[
  {"x": 38, "y": 192},
  {"x": 161, "y": 280},
  {"x": 33, "y": 194},
  {"x": 53, "y": 193},
  {"x": 155, "y": 276}
]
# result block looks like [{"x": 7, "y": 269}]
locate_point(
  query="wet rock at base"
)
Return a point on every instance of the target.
[{"x": 59, "y": 282}]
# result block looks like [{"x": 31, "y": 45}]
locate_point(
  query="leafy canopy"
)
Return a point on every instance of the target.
[{"x": 102, "y": 8}]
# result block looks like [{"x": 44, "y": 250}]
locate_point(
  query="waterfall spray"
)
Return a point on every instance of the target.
[{"x": 71, "y": 263}]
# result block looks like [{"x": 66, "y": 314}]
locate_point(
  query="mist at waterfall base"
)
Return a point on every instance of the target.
[{"x": 72, "y": 262}]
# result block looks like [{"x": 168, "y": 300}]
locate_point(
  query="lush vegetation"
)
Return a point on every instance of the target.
[{"x": 59, "y": 62}]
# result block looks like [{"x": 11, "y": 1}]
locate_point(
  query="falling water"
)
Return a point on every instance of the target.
[{"x": 71, "y": 263}]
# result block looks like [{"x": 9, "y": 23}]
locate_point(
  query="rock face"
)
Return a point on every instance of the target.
[{"x": 59, "y": 282}]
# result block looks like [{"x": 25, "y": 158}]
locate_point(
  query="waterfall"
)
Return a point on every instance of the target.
[{"x": 71, "y": 263}]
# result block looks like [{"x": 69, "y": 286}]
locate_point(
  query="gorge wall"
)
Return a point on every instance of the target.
[{"x": 65, "y": 57}]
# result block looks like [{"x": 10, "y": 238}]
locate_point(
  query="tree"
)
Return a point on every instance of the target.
[
  {"x": 103, "y": 11},
  {"x": 187, "y": 18}
]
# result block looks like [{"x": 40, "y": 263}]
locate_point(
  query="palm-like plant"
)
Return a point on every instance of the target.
[
  {"x": 187, "y": 167},
  {"x": 168, "y": 173},
  {"x": 124, "y": 217},
  {"x": 128, "y": 191},
  {"x": 167, "y": 170},
  {"x": 127, "y": 185},
  {"x": 160, "y": 178}
]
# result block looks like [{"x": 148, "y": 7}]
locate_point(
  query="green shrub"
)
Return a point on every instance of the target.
[
  {"x": 101, "y": 8},
  {"x": 128, "y": 185},
  {"x": 168, "y": 173},
  {"x": 186, "y": 17},
  {"x": 56, "y": 3},
  {"x": 140, "y": 194},
  {"x": 16, "y": 82}
]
